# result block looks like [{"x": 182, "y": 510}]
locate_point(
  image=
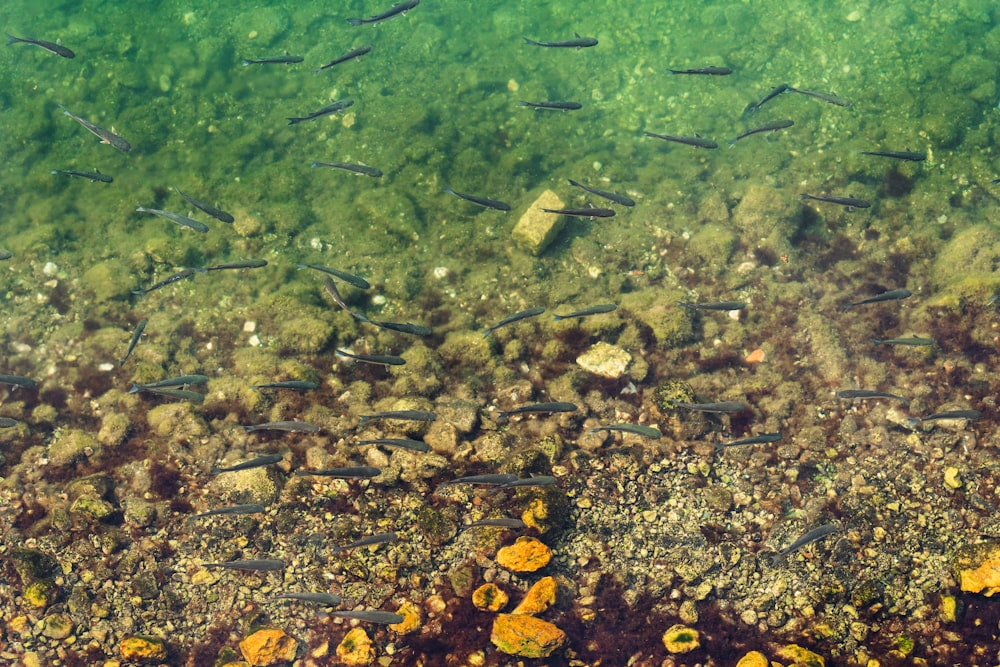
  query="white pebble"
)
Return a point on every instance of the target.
[
  {"x": 441, "y": 272},
  {"x": 50, "y": 269},
  {"x": 249, "y": 326}
]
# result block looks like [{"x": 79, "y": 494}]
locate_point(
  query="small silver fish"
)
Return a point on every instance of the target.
[
  {"x": 810, "y": 537},
  {"x": 263, "y": 565},
  {"x": 181, "y": 220},
  {"x": 327, "y": 599},
  {"x": 371, "y": 616},
  {"x": 288, "y": 426},
  {"x": 106, "y": 136}
]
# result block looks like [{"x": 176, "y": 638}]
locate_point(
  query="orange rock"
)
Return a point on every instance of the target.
[
  {"x": 527, "y": 554},
  {"x": 142, "y": 649},
  {"x": 755, "y": 357},
  {"x": 411, "y": 618},
  {"x": 526, "y": 636},
  {"x": 489, "y": 597},
  {"x": 356, "y": 649},
  {"x": 268, "y": 646},
  {"x": 977, "y": 568},
  {"x": 539, "y": 597}
]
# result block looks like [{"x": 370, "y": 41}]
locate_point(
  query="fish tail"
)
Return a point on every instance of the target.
[
  {"x": 913, "y": 421},
  {"x": 532, "y": 42},
  {"x": 293, "y": 121},
  {"x": 687, "y": 305},
  {"x": 356, "y": 22},
  {"x": 215, "y": 470},
  {"x": 12, "y": 40}
]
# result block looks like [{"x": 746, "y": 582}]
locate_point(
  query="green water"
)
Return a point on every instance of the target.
[{"x": 436, "y": 104}]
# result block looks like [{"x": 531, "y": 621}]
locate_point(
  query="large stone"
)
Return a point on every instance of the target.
[
  {"x": 537, "y": 229},
  {"x": 605, "y": 360},
  {"x": 526, "y": 636},
  {"x": 527, "y": 554}
]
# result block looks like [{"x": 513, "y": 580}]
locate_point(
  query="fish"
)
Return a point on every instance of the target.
[
  {"x": 852, "y": 394},
  {"x": 93, "y": 176},
  {"x": 5, "y": 255},
  {"x": 208, "y": 209},
  {"x": 891, "y": 295},
  {"x": 288, "y": 426},
  {"x": 777, "y": 90},
  {"x": 585, "y": 312},
  {"x": 350, "y": 55},
  {"x": 711, "y": 71},
  {"x": 724, "y": 407},
  {"x": 718, "y": 305},
  {"x": 257, "y": 462},
  {"x": 638, "y": 429},
  {"x": 766, "y": 127},
  {"x": 263, "y": 565},
  {"x": 179, "y": 381},
  {"x": 273, "y": 60},
  {"x": 136, "y": 335},
  {"x": 810, "y": 537},
  {"x": 331, "y": 289},
  {"x": 325, "y": 111},
  {"x": 556, "y": 406},
  {"x": 327, "y": 599},
  {"x": 486, "y": 202},
  {"x": 350, "y": 472},
  {"x": 176, "y": 394},
  {"x": 180, "y": 275},
  {"x": 181, "y": 220},
  {"x": 249, "y": 508},
  {"x": 577, "y": 43},
  {"x": 402, "y": 327},
  {"x": 500, "y": 522},
  {"x": 395, "y": 10},
  {"x": 605, "y": 194},
  {"x": 825, "y": 97},
  {"x": 407, "y": 415},
  {"x": 696, "y": 141},
  {"x": 371, "y": 615},
  {"x": 898, "y": 155},
  {"x": 300, "y": 385},
  {"x": 51, "y": 47},
  {"x": 359, "y": 169},
  {"x": 380, "y": 359},
  {"x": 106, "y": 136},
  {"x": 525, "y": 482},
  {"x": 405, "y": 443},
  {"x": 516, "y": 317},
  {"x": 489, "y": 479},
  {"x": 18, "y": 381},
  {"x": 245, "y": 264},
  {"x": 971, "y": 415},
  {"x": 555, "y": 105},
  {"x": 588, "y": 212},
  {"x": 356, "y": 281},
  {"x": 370, "y": 540},
  {"x": 761, "y": 439},
  {"x": 850, "y": 202},
  {"x": 7, "y": 422},
  {"x": 912, "y": 341}
]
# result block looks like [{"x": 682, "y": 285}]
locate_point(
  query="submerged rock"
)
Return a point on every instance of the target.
[
  {"x": 527, "y": 554},
  {"x": 605, "y": 360},
  {"x": 977, "y": 568},
  {"x": 526, "y": 636},
  {"x": 536, "y": 229}
]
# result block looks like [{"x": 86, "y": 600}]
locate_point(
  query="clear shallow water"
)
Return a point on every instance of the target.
[{"x": 437, "y": 103}]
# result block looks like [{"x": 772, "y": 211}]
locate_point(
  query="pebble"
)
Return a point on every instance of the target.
[
  {"x": 140, "y": 649},
  {"x": 57, "y": 626},
  {"x": 537, "y": 229},
  {"x": 681, "y": 639},
  {"x": 489, "y": 597}
]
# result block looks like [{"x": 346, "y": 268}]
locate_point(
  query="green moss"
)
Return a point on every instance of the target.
[
  {"x": 32, "y": 565},
  {"x": 436, "y": 526},
  {"x": 303, "y": 335},
  {"x": 672, "y": 392},
  {"x": 41, "y": 594}
]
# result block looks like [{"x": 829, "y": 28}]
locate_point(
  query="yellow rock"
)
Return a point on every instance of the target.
[
  {"x": 526, "y": 636},
  {"x": 140, "y": 649},
  {"x": 681, "y": 639},
  {"x": 20, "y": 624},
  {"x": 268, "y": 646},
  {"x": 489, "y": 597},
  {"x": 977, "y": 568},
  {"x": 753, "y": 659},
  {"x": 539, "y": 597},
  {"x": 801, "y": 657},
  {"x": 411, "y": 618},
  {"x": 527, "y": 554},
  {"x": 356, "y": 649},
  {"x": 536, "y": 515},
  {"x": 949, "y": 608}
]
